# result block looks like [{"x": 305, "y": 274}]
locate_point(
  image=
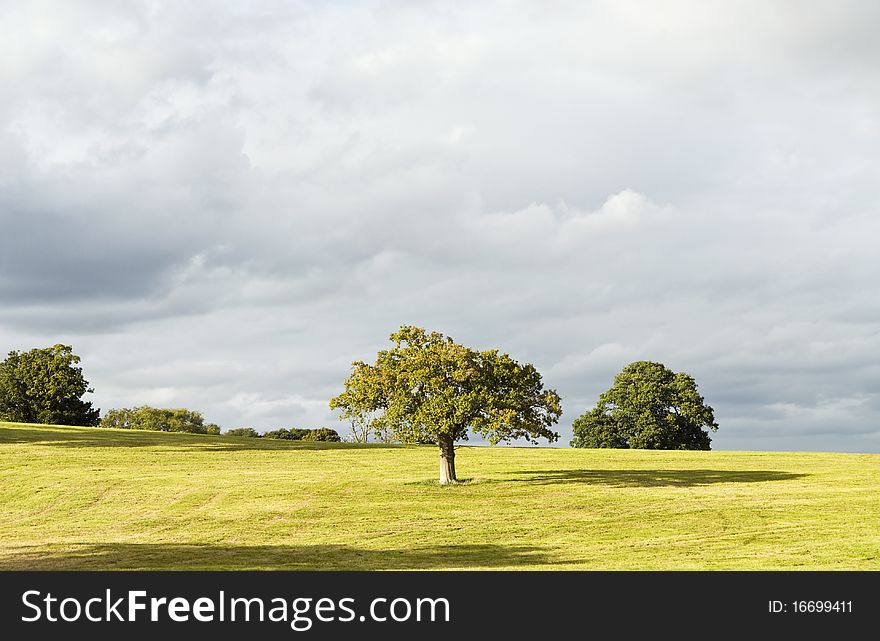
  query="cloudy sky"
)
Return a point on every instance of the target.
[{"x": 221, "y": 205}]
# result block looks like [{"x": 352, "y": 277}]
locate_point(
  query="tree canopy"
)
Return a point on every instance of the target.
[
  {"x": 648, "y": 407},
  {"x": 284, "y": 434},
  {"x": 160, "y": 419},
  {"x": 322, "y": 434},
  {"x": 242, "y": 431},
  {"x": 45, "y": 385},
  {"x": 300, "y": 434},
  {"x": 428, "y": 388}
]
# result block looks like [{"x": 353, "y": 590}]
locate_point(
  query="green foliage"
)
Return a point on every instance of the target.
[
  {"x": 284, "y": 434},
  {"x": 428, "y": 388},
  {"x": 648, "y": 407},
  {"x": 296, "y": 434},
  {"x": 158, "y": 419},
  {"x": 45, "y": 386},
  {"x": 243, "y": 431},
  {"x": 322, "y": 434}
]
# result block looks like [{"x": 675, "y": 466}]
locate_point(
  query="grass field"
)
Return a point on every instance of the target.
[{"x": 84, "y": 498}]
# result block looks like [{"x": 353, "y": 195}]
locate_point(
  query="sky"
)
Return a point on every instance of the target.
[{"x": 221, "y": 205}]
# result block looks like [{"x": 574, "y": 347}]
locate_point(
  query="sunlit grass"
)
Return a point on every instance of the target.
[{"x": 87, "y": 498}]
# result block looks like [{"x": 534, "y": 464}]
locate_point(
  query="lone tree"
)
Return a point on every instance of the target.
[
  {"x": 45, "y": 386},
  {"x": 648, "y": 407},
  {"x": 428, "y": 388}
]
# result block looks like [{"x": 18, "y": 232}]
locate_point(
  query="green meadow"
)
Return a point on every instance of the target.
[{"x": 88, "y": 498}]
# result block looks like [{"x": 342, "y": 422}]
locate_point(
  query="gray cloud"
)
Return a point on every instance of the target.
[{"x": 224, "y": 210}]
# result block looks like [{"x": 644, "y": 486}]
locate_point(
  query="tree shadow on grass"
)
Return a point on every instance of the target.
[
  {"x": 655, "y": 478},
  {"x": 154, "y": 556},
  {"x": 100, "y": 437}
]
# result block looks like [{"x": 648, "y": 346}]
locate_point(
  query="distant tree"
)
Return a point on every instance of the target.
[
  {"x": 359, "y": 428},
  {"x": 322, "y": 434},
  {"x": 386, "y": 435},
  {"x": 158, "y": 419},
  {"x": 296, "y": 434},
  {"x": 648, "y": 407},
  {"x": 45, "y": 386},
  {"x": 292, "y": 434},
  {"x": 429, "y": 388},
  {"x": 243, "y": 431},
  {"x": 121, "y": 418}
]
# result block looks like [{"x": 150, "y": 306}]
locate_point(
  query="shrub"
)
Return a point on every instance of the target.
[
  {"x": 243, "y": 431},
  {"x": 292, "y": 434},
  {"x": 322, "y": 434}
]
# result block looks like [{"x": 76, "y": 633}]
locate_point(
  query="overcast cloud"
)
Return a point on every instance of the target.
[{"x": 221, "y": 205}]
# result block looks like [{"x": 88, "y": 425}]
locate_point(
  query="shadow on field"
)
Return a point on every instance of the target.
[
  {"x": 655, "y": 478},
  {"x": 150, "y": 556},
  {"x": 99, "y": 437}
]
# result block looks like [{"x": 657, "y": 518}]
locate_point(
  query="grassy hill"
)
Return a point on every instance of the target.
[{"x": 86, "y": 498}]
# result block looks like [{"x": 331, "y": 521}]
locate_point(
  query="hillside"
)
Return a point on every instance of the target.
[{"x": 87, "y": 498}]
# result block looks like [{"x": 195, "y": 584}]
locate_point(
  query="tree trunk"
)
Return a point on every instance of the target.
[{"x": 447, "y": 462}]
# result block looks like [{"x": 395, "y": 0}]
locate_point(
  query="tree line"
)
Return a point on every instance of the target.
[
  {"x": 46, "y": 386},
  {"x": 425, "y": 389},
  {"x": 293, "y": 434},
  {"x": 192, "y": 422}
]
